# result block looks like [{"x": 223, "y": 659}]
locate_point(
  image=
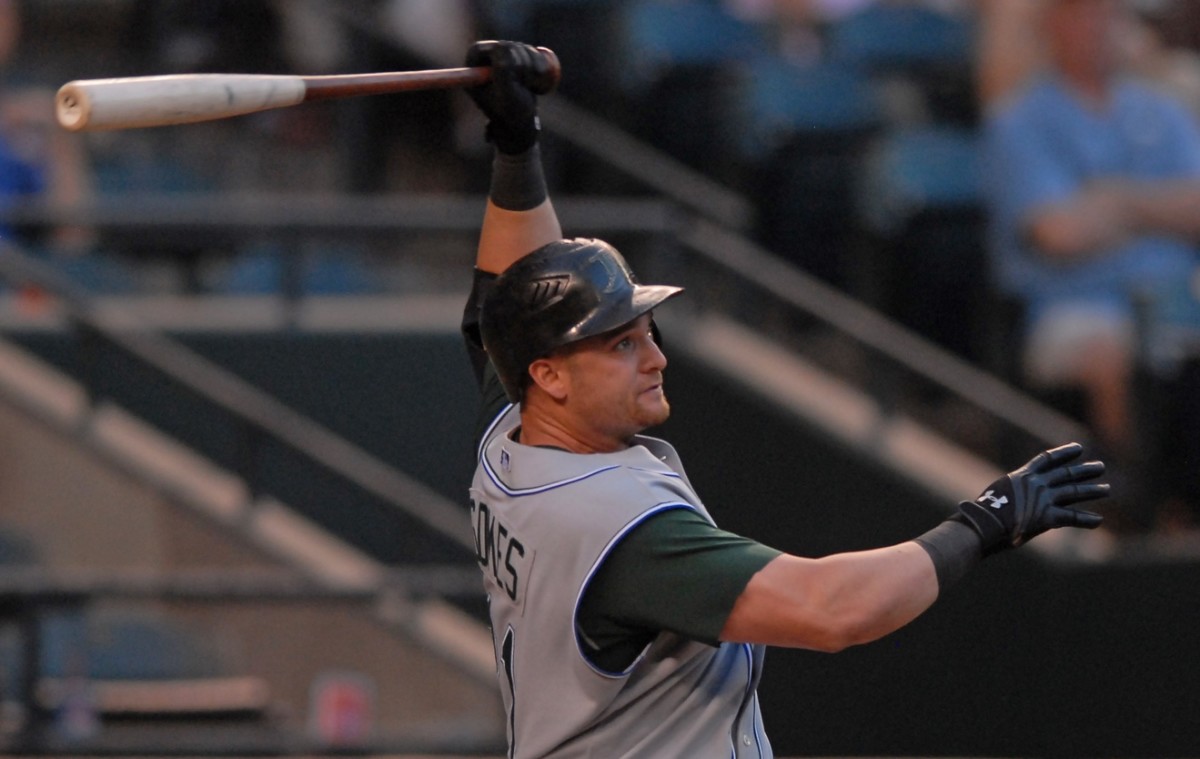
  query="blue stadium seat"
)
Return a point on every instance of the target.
[
  {"x": 678, "y": 79},
  {"x": 886, "y": 35},
  {"x": 263, "y": 270},
  {"x": 658, "y": 35},
  {"x": 804, "y": 130},
  {"x": 781, "y": 100},
  {"x": 97, "y": 273},
  {"x": 910, "y": 43},
  {"x": 920, "y": 199},
  {"x": 917, "y": 169}
]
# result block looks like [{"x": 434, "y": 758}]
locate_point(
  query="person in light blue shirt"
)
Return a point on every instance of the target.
[{"x": 1092, "y": 180}]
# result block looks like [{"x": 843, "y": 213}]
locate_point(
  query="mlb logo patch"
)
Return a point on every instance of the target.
[{"x": 505, "y": 464}]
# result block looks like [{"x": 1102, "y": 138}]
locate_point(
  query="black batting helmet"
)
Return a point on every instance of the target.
[{"x": 562, "y": 292}]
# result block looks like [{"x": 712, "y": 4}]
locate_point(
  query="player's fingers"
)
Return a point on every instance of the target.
[
  {"x": 1068, "y": 494},
  {"x": 1089, "y": 470},
  {"x": 1088, "y": 520},
  {"x": 1047, "y": 460},
  {"x": 480, "y": 53}
]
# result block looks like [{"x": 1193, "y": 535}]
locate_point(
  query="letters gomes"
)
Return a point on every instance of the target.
[{"x": 499, "y": 552}]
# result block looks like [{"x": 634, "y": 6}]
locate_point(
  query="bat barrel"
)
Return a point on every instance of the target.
[
  {"x": 130, "y": 102},
  {"x": 145, "y": 101}
]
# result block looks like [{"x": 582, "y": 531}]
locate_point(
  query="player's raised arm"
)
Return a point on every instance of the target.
[
  {"x": 520, "y": 217},
  {"x": 845, "y": 599}
]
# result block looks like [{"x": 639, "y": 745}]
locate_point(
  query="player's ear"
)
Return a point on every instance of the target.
[{"x": 548, "y": 375}]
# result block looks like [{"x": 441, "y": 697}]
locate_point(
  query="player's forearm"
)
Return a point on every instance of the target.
[
  {"x": 520, "y": 217},
  {"x": 509, "y": 235},
  {"x": 834, "y": 602}
]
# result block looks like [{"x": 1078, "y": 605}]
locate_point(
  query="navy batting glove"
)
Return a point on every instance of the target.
[
  {"x": 509, "y": 100},
  {"x": 1033, "y": 499}
]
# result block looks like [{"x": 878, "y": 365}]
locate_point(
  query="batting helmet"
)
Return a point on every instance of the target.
[{"x": 562, "y": 292}]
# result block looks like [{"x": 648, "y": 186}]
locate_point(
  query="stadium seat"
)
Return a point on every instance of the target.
[
  {"x": 910, "y": 43},
  {"x": 803, "y": 130},
  {"x": 919, "y": 199},
  {"x": 270, "y": 269},
  {"x": 679, "y": 79}
]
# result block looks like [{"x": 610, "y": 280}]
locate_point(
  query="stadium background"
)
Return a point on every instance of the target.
[{"x": 236, "y": 417}]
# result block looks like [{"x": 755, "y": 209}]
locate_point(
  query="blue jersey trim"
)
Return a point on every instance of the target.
[
  {"x": 519, "y": 492},
  {"x": 760, "y": 733},
  {"x": 486, "y": 437},
  {"x": 652, "y": 511},
  {"x": 668, "y": 473}
]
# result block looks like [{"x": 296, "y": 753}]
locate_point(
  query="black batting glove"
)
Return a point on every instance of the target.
[
  {"x": 509, "y": 100},
  {"x": 1033, "y": 499}
]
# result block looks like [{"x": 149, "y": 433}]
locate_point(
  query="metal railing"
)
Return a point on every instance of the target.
[
  {"x": 698, "y": 241},
  {"x": 256, "y": 412}
]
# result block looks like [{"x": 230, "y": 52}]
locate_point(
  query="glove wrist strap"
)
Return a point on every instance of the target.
[
  {"x": 518, "y": 182},
  {"x": 954, "y": 548},
  {"x": 990, "y": 529}
]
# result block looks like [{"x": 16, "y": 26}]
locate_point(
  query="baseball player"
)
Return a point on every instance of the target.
[{"x": 627, "y": 624}]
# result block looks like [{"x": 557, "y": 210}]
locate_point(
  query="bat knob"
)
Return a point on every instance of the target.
[
  {"x": 71, "y": 107},
  {"x": 545, "y": 83}
]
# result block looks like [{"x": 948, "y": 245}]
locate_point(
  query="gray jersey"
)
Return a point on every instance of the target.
[{"x": 544, "y": 521}]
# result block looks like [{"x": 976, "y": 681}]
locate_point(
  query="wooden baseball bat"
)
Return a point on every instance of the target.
[{"x": 146, "y": 101}]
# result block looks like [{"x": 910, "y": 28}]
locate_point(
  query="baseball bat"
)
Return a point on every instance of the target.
[{"x": 146, "y": 101}]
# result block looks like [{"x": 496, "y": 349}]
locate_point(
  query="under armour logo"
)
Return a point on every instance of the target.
[{"x": 994, "y": 502}]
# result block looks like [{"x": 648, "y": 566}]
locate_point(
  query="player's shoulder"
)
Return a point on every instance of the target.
[{"x": 521, "y": 470}]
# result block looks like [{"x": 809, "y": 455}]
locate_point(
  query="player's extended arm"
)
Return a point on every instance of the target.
[
  {"x": 519, "y": 217},
  {"x": 845, "y": 599},
  {"x": 837, "y": 601}
]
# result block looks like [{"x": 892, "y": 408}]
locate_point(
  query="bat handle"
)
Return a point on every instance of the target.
[
  {"x": 350, "y": 85},
  {"x": 541, "y": 84}
]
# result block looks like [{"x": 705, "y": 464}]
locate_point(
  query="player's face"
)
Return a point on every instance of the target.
[{"x": 615, "y": 383}]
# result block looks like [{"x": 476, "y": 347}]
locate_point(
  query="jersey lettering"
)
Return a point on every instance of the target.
[{"x": 499, "y": 552}]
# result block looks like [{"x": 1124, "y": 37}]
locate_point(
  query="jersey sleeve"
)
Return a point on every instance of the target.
[{"x": 675, "y": 572}]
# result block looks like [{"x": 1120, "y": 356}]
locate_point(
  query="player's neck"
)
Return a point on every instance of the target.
[{"x": 546, "y": 430}]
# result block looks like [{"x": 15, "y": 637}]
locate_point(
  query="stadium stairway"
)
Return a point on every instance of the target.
[{"x": 132, "y": 525}]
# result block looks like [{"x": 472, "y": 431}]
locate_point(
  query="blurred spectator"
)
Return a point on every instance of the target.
[
  {"x": 1010, "y": 47},
  {"x": 1093, "y": 185},
  {"x": 1152, "y": 52},
  {"x": 37, "y": 157}
]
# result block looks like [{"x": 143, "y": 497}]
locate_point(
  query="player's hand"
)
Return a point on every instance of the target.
[
  {"x": 1028, "y": 501},
  {"x": 509, "y": 100}
]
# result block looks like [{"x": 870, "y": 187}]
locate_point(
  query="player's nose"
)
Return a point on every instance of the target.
[{"x": 653, "y": 358}]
